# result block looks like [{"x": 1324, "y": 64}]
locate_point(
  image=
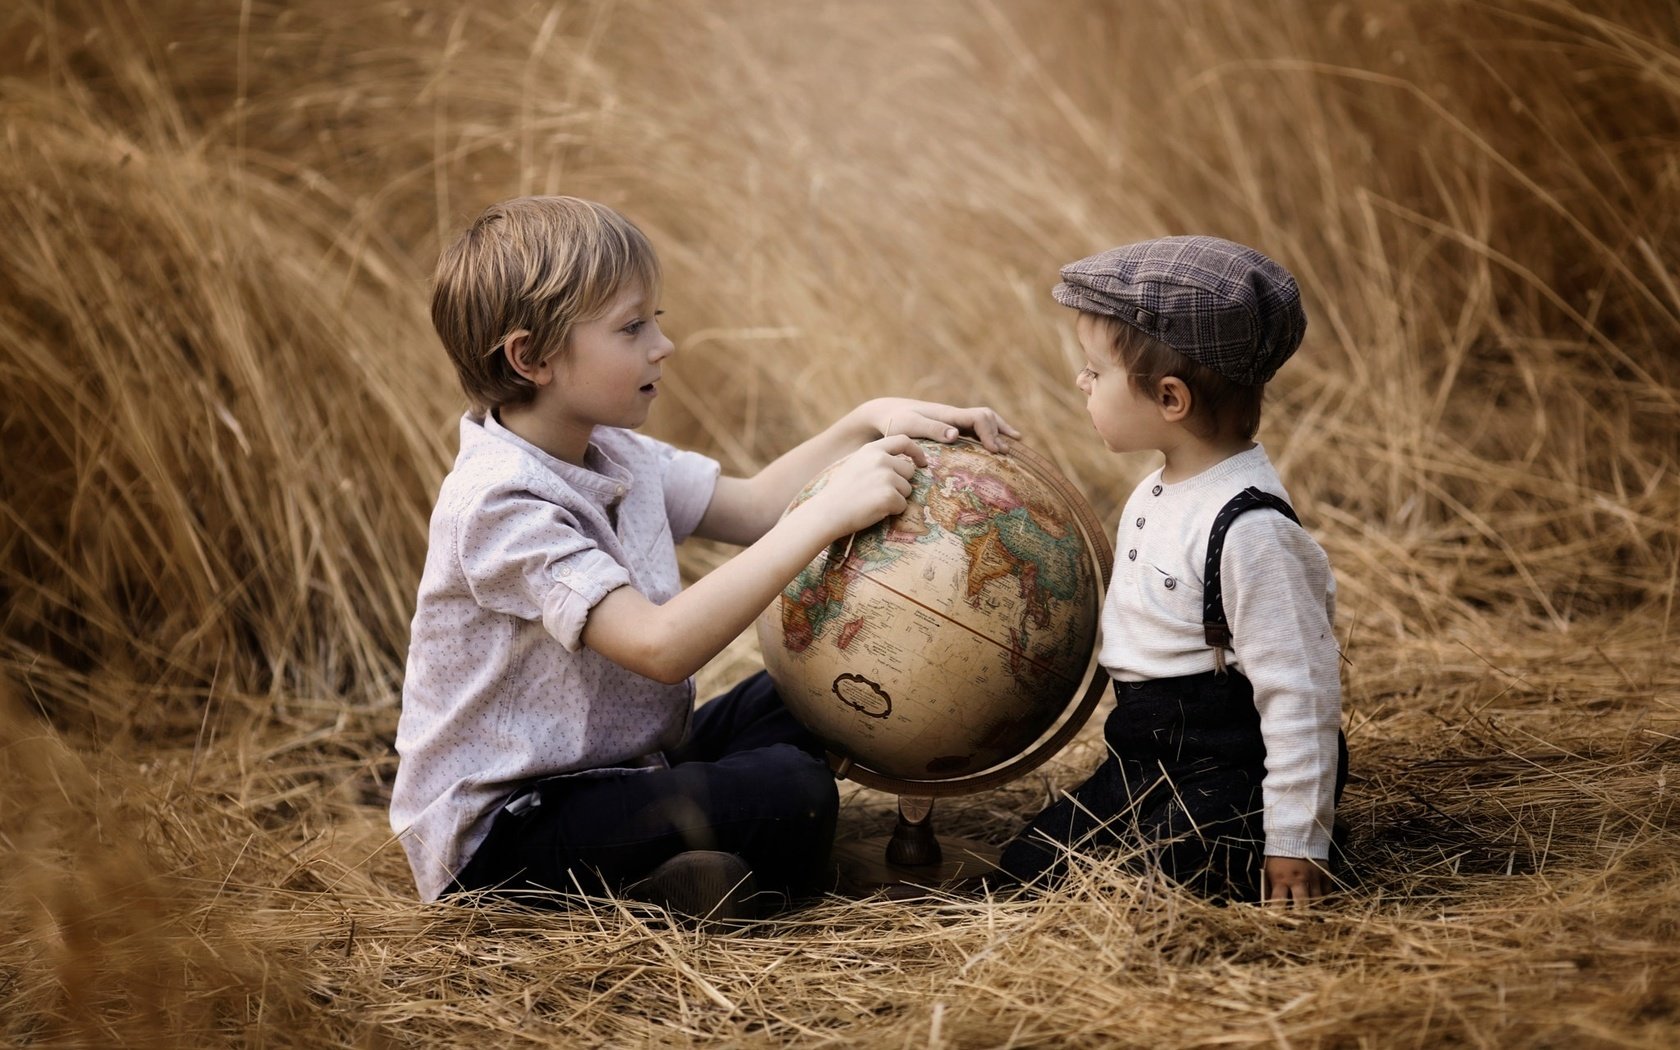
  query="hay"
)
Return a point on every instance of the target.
[{"x": 225, "y": 417}]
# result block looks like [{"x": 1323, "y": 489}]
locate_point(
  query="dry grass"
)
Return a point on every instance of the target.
[{"x": 225, "y": 416}]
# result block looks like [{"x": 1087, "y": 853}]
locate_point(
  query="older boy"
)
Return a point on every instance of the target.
[
  {"x": 548, "y": 739},
  {"x": 1226, "y": 755}
]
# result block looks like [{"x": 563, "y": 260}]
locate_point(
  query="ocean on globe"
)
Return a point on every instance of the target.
[{"x": 934, "y": 651}]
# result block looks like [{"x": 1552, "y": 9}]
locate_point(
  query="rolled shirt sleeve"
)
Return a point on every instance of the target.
[
  {"x": 524, "y": 556},
  {"x": 689, "y": 480}
]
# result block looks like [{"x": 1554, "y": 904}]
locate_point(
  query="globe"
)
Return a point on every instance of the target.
[{"x": 951, "y": 647}]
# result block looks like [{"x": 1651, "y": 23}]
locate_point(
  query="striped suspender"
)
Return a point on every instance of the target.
[{"x": 1216, "y": 629}]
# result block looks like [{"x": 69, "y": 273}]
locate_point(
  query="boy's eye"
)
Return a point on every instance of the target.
[
  {"x": 1086, "y": 375},
  {"x": 636, "y": 325}
]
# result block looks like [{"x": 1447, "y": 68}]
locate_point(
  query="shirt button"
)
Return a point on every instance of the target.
[
  {"x": 1131, "y": 555},
  {"x": 1156, "y": 491},
  {"x": 1170, "y": 583},
  {"x": 1140, "y": 523}
]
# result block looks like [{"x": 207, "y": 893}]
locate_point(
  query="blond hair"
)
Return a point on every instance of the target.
[{"x": 534, "y": 264}]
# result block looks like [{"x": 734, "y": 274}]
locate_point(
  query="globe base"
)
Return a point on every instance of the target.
[
  {"x": 862, "y": 869},
  {"x": 912, "y": 860}
]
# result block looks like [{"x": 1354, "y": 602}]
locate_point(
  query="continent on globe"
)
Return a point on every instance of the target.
[{"x": 950, "y": 638}]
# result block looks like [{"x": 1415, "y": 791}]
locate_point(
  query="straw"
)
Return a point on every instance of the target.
[{"x": 225, "y": 418}]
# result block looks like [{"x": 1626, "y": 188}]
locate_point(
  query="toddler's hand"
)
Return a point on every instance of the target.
[
  {"x": 1292, "y": 880},
  {"x": 930, "y": 419},
  {"x": 870, "y": 484}
]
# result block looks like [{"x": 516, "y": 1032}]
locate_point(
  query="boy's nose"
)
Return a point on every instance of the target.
[{"x": 664, "y": 348}]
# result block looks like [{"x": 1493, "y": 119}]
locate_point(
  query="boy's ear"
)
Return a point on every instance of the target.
[
  {"x": 518, "y": 350},
  {"x": 1174, "y": 397}
]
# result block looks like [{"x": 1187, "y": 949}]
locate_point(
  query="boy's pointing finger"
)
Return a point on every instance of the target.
[{"x": 903, "y": 445}]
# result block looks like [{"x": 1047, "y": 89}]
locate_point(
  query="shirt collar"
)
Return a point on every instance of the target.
[
  {"x": 1217, "y": 473},
  {"x": 602, "y": 477}
]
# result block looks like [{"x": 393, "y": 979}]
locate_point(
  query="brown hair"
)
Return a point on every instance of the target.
[
  {"x": 1218, "y": 407},
  {"x": 537, "y": 264}
]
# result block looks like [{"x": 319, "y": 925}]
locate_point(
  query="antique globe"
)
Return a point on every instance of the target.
[{"x": 950, "y": 648}]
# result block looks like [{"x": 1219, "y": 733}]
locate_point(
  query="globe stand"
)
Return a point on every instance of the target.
[{"x": 912, "y": 860}]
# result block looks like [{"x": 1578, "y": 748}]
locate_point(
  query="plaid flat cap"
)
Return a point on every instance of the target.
[{"x": 1221, "y": 304}]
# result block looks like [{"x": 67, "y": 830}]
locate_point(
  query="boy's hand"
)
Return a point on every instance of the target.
[
  {"x": 1292, "y": 880},
  {"x": 937, "y": 422},
  {"x": 870, "y": 484}
]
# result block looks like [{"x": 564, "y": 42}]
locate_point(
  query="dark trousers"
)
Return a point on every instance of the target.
[
  {"x": 748, "y": 780},
  {"x": 1180, "y": 789}
]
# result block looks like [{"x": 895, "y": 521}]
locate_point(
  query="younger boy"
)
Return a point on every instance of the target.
[
  {"x": 548, "y": 740},
  {"x": 1226, "y": 757}
]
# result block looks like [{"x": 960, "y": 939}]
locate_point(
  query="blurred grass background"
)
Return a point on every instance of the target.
[{"x": 225, "y": 415}]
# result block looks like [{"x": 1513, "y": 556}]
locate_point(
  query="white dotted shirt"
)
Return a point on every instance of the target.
[
  {"x": 1280, "y": 600},
  {"x": 499, "y": 690}
]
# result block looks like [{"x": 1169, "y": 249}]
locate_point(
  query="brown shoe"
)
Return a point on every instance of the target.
[{"x": 702, "y": 884}]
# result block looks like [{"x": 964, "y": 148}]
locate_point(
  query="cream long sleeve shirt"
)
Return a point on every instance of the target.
[{"x": 1280, "y": 599}]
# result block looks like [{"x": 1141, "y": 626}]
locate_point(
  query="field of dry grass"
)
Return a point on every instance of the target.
[{"x": 224, "y": 415}]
